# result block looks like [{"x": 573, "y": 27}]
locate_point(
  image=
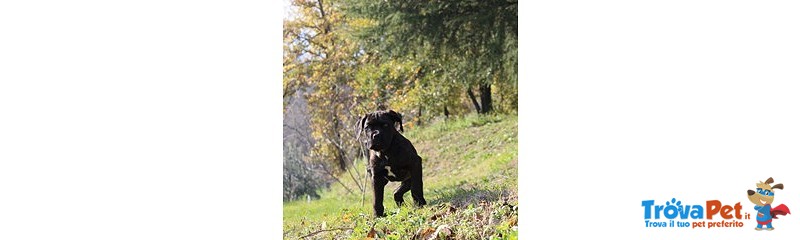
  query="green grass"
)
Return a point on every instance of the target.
[{"x": 470, "y": 174}]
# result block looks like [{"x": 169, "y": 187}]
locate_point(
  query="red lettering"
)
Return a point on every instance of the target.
[
  {"x": 738, "y": 208},
  {"x": 725, "y": 211},
  {"x": 712, "y": 207}
]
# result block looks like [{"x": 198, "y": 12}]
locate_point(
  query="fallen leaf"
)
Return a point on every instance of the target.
[
  {"x": 442, "y": 213},
  {"x": 512, "y": 221},
  {"x": 371, "y": 234},
  {"x": 443, "y": 230},
  {"x": 424, "y": 233}
]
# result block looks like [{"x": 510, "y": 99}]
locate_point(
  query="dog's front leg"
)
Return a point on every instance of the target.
[{"x": 378, "y": 183}]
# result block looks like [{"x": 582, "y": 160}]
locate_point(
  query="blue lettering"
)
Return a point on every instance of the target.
[
  {"x": 697, "y": 212},
  {"x": 671, "y": 210},
  {"x": 646, "y": 205}
]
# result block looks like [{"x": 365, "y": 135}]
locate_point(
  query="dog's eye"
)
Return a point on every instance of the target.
[{"x": 385, "y": 125}]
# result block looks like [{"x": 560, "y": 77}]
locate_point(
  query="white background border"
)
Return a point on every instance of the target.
[
  {"x": 140, "y": 120},
  {"x": 160, "y": 119}
]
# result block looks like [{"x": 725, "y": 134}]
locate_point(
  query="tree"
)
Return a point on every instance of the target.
[
  {"x": 319, "y": 60},
  {"x": 471, "y": 41}
]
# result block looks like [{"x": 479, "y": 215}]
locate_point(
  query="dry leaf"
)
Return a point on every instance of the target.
[
  {"x": 424, "y": 233},
  {"x": 443, "y": 230},
  {"x": 512, "y": 221},
  {"x": 371, "y": 234}
]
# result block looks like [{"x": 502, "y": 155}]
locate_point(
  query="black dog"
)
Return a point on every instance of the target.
[{"x": 392, "y": 158}]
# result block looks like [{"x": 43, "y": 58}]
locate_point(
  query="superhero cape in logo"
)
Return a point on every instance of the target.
[{"x": 779, "y": 210}]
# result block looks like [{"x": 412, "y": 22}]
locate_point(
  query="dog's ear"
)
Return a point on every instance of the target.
[
  {"x": 397, "y": 118},
  {"x": 778, "y": 186},
  {"x": 769, "y": 180}
]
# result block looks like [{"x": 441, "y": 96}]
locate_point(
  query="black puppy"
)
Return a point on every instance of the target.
[{"x": 392, "y": 158}]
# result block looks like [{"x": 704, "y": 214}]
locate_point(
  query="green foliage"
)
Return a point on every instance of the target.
[
  {"x": 382, "y": 82},
  {"x": 470, "y": 184},
  {"x": 408, "y": 86},
  {"x": 459, "y": 44}
]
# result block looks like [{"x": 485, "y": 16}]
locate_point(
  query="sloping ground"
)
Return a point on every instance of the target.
[{"x": 470, "y": 174}]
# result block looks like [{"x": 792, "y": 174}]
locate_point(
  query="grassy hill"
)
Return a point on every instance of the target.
[{"x": 470, "y": 174}]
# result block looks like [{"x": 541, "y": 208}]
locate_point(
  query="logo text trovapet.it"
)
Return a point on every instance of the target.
[{"x": 674, "y": 214}]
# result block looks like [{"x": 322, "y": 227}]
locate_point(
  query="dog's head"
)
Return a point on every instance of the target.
[
  {"x": 764, "y": 193},
  {"x": 379, "y": 128}
]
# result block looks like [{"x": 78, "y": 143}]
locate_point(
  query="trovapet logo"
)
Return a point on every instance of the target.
[
  {"x": 715, "y": 213},
  {"x": 675, "y": 214}
]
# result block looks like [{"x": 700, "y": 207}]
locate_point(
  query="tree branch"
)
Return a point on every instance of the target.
[
  {"x": 321, "y": 11},
  {"x": 325, "y": 230},
  {"x": 324, "y": 168}
]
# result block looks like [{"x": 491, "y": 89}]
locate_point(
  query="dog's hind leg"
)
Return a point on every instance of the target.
[
  {"x": 416, "y": 187},
  {"x": 416, "y": 194},
  {"x": 404, "y": 187}
]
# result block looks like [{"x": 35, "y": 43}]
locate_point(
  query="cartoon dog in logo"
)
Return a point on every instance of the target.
[{"x": 762, "y": 198}]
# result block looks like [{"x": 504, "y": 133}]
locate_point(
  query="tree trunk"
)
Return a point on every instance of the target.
[
  {"x": 486, "y": 98},
  {"x": 340, "y": 155},
  {"x": 474, "y": 101},
  {"x": 419, "y": 116}
]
